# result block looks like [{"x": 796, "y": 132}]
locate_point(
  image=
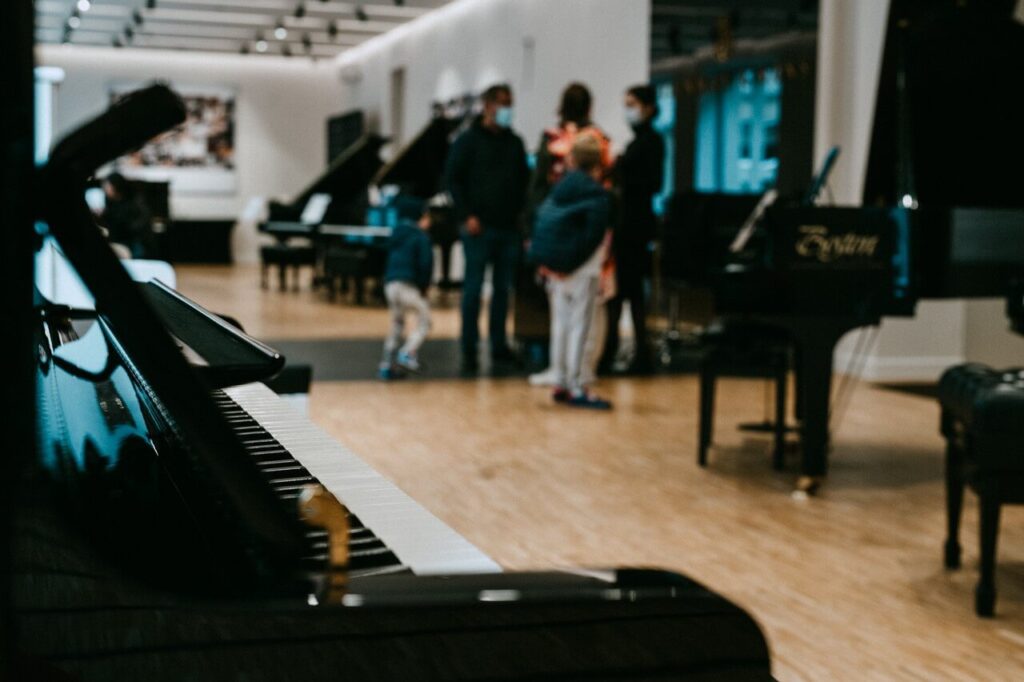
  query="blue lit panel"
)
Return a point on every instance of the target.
[
  {"x": 738, "y": 133},
  {"x": 665, "y": 124}
]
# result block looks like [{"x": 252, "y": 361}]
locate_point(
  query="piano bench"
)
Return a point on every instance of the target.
[
  {"x": 284, "y": 256},
  {"x": 983, "y": 424},
  {"x": 357, "y": 264},
  {"x": 745, "y": 349}
]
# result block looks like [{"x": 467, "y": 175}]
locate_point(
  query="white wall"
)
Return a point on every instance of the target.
[
  {"x": 538, "y": 46},
  {"x": 942, "y": 333},
  {"x": 281, "y": 110}
]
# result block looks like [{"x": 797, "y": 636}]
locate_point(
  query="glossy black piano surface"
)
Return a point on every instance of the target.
[{"x": 114, "y": 589}]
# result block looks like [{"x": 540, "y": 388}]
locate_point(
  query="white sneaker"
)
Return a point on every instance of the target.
[{"x": 545, "y": 378}]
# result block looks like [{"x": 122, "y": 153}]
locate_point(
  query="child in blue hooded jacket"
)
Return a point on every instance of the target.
[
  {"x": 410, "y": 267},
  {"x": 569, "y": 244}
]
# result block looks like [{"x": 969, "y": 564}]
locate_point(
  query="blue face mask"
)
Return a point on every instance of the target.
[
  {"x": 633, "y": 116},
  {"x": 503, "y": 117}
]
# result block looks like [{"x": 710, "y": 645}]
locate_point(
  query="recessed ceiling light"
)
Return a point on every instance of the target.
[
  {"x": 261, "y": 46},
  {"x": 280, "y": 32},
  {"x": 74, "y": 22},
  {"x": 84, "y": 5}
]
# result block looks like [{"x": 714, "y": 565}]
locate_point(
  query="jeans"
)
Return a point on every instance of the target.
[{"x": 500, "y": 250}]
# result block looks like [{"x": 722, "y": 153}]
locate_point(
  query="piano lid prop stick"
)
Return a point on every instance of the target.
[{"x": 320, "y": 508}]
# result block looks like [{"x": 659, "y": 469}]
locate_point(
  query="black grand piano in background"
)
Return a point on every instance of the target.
[
  {"x": 345, "y": 181},
  {"x": 418, "y": 170},
  {"x": 943, "y": 213},
  {"x": 341, "y": 248}
]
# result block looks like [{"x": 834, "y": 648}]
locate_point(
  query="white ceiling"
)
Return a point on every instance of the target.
[{"x": 315, "y": 28}]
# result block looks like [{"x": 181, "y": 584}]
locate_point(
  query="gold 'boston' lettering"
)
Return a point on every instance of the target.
[{"x": 816, "y": 242}]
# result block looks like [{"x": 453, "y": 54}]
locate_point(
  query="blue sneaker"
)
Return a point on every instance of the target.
[
  {"x": 408, "y": 362},
  {"x": 588, "y": 400}
]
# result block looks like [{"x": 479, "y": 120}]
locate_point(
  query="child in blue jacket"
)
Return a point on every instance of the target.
[
  {"x": 569, "y": 244},
  {"x": 410, "y": 267}
]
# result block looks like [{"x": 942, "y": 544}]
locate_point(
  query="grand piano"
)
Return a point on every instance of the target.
[
  {"x": 943, "y": 213},
  {"x": 344, "y": 246},
  {"x": 177, "y": 521}
]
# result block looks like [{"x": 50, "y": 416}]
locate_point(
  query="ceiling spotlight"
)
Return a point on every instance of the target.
[
  {"x": 332, "y": 29},
  {"x": 74, "y": 21},
  {"x": 307, "y": 42},
  {"x": 129, "y": 33},
  {"x": 116, "y": 42},
  {"x": 286, "y": 50},
  {"x": 399, "y": 3},
  {"x": 150, "y": 4},
  {"x": 261, "y": 45},
  {"x": 300, "y": 10},
  {"x": 244, "y": 49},
  {"x": 280, "y": 32},
  {"x": 137, "y": 17},
  {"x": 361, "y": 13},
  {"x": 84, "y": 5}
]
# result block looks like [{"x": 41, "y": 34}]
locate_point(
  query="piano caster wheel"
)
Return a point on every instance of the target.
[
  {"x": 806, "y": 486},
  {"x": 952, "y": 556},
  {"x": 985, "y": 601}
]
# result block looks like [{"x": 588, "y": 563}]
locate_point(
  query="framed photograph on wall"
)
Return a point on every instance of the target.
[{"x": 197, "y": 157}]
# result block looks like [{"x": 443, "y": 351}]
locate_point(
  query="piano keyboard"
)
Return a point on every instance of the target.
[{"x": 391, "y": 532}]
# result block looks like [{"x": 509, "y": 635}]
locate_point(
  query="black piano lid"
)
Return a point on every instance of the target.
[
  {"x": 948, "y": 138},
  {"x": 419, "y": 167},
  {"x": 346, "y": 179}
]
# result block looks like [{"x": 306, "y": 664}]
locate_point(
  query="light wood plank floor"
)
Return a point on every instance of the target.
[{"x": 848, "y": 585}]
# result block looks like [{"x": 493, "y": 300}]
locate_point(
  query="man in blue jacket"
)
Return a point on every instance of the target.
[
  {"x": 410, "y": 267},
  {"x": 486, "y": 176},
  {"x": 569, "y": 244}
]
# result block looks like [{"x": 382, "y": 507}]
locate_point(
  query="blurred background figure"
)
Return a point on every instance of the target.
[
  {"x": 487, "y": 176},
  {"x": 638, "y": 176},
  {"x": 126, "y": 217},
  {"x": 552, "y": 161},
  {"x": 556, "y": 143}
]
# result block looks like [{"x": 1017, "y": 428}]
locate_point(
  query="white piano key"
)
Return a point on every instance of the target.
[{"x": 417, "y": 537}]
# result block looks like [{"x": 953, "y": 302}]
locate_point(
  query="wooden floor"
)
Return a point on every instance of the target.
[{"x": 847, "y": 586}]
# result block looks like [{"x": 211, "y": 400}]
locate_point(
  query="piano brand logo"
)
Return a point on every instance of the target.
[{"x": 815, "y": 241}]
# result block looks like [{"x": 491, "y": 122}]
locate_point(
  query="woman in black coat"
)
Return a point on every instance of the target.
[{"x": 639, "y": 174}]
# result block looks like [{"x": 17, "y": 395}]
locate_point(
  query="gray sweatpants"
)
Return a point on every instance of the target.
[
  {"x": 576, "y": 329},
  {"x": 404, "y": 298}
]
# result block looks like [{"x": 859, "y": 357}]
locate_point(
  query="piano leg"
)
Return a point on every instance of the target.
[
  {"x": 816, "y": 388},
  {"x": 816, "y": 339}
]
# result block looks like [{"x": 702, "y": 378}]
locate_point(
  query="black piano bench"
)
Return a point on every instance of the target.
[
  {"x": 285, "y": 256},
  {"x": 983, "y": 423},
  {"x": 747, "y": 349}
]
